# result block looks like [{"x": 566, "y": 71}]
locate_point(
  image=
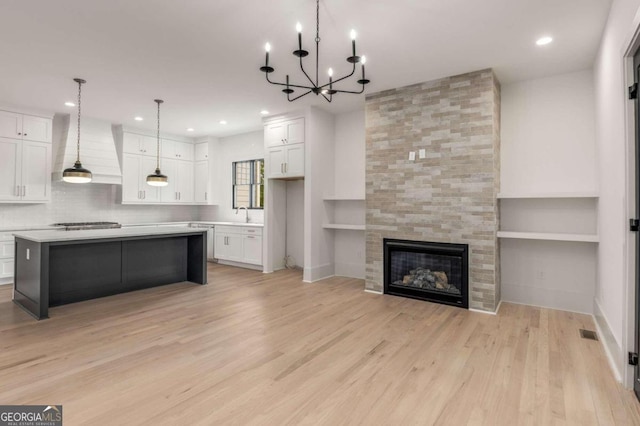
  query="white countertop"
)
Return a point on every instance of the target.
[
  {"x": 95, "y": 234},
  {"x": 195, "y": 222}
]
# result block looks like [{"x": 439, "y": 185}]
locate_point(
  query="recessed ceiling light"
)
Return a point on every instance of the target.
[
  {"x": 264, "y": 112},
  {"x": 223, "y": 122},
  {"x": 542, "y": 41},
  {"x": 190, "y": 129},
  {"x": 69, "y": 104},
  {"x": 138, "y": 118}
]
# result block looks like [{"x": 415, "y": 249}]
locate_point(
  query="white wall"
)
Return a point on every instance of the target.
[
  {"x": 295, "y": 221},
  {"x": 225, "y": 151},
  {"x": 612, "y": 296},
  {"x": 319, "y": 180},
  {"x": 349, "y": 159},
  {"x": 548, "y": 135}
]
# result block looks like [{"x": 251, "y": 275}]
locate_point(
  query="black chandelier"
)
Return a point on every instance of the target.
[{"x": 327, "y": 90}]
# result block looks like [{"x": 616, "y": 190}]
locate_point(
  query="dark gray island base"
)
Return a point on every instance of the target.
[{"x": 58, "y": 267}]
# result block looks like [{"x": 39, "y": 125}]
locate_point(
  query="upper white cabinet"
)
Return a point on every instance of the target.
[
  {"x": 25, "y": 158},
  {"x": 202, "y": 151},
  {"x": 181, "y": 179},
  {"x": 139, "y": 144},
  {"x": 202, "y": 194},
  {"x": 135, "y": 189},
  {"x": 177, "y": 150},
  {"x": 285, "y": 162},
  {"x": 27, "y": 127},
  {"x": 25, "y": 171},
  {"x": 284, "y": 132},
  {"x": 284, "y": 142}
]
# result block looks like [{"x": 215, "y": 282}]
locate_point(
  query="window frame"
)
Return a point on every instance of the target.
[{"x": 251, "y": 185}]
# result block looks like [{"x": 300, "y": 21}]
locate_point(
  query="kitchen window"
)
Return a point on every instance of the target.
[{"x": 248, "y": 184}]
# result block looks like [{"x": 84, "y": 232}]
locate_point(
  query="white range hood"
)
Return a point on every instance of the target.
[{"x": 97, "y": 149}]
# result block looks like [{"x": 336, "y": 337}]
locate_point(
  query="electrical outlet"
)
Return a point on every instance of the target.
[
  {"x": 412, "y": 156},
  {"x": 422, "y": 154},
  {"x": 539, "y": 275}
]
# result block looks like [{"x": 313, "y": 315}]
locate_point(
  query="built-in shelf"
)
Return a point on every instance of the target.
[
  {"x": 583, "y": 238},
  {"x": 343, "y": 226},
  {"x": 505, "y": 195},
  {"x": 343, "y": 198}
]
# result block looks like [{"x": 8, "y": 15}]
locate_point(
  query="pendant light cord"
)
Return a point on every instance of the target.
[
  {"x": 158, "y": 139},
  {"x": 79, "y": 110},
  {"x": 317, "y": 40}
]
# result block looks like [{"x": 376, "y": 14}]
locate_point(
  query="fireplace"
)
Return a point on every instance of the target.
[{"x": 437, "y": 272}]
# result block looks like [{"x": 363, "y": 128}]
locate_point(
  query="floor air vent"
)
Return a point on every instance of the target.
[{"x": 588, "y": 334}]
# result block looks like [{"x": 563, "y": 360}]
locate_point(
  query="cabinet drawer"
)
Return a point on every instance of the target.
[{"x": 243, "y": 230}]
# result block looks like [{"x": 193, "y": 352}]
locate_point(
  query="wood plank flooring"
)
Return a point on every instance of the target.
[{"x": 267, "y": 349}]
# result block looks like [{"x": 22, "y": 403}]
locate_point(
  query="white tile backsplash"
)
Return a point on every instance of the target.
[{"x": 90, "y": 203}]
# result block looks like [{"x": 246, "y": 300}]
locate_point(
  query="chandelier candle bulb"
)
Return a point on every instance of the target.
[{"x": 299, "y": 30}]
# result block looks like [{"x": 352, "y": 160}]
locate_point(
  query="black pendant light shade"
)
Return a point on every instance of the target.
[
  {"x": 77, "y": 173},
  {"x": 157, "y": 178}
]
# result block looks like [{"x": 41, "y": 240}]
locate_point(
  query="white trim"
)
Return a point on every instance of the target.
[
  {"x": 588, "y": 194},
  {"x": 366, "y": 290},
  {"x": 630, "y": 45},
  {"x": 612, "y": 349},
  {"x": 241, "y": 265},
  {"x": 480, "y": 311},
  {"x": 318, "y": 273}
]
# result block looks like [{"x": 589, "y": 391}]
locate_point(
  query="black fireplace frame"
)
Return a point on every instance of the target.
[{"x": 446, "y": 249}]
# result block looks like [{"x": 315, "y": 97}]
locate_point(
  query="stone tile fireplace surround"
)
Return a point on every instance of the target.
[{"x": 448, "y": 197}]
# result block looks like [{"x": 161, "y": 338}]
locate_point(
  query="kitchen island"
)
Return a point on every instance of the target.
[{"x": 56, "y": 267}]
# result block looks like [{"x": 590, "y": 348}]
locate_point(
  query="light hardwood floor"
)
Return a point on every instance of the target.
[{"x": 251, "y": 348}]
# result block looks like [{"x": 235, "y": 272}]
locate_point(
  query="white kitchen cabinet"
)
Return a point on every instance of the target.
[
  {"x": 133, "y": 143},
  {"x": 25, "y": 171},
  {"x": 201, "y": 184},
  {"x": 252, "y": 249},
  {"x": 202, "y": 151},
  {"x": 242, "y": 244},
  {"x": 181, "y": 178},
  {"x": 36, "y": 171},
  {"x": 284, "y": 132},
  {"x": 229, "y": 247},
  {"x": 285, "y": 162},
  {"x": 28, "y": 127},
  {"x": 7, "y": 251},
  {"x": 177, "y": 150},
  {"x": 135, "y": 189}
]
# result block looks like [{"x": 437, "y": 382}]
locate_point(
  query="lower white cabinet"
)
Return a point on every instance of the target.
[
  {"x": 6, "y": 257},
  {"x": 241, "y": 244}
]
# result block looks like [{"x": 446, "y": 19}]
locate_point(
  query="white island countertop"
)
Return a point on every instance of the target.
[{"x": 96, "y": 234}]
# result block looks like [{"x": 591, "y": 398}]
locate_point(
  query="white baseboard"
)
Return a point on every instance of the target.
[
  {"x": 241, "y": 265},
  {"x": 318, "y": 273},
  {"x": 480, "y": 311},
  {"x": 612, "y": 348}
]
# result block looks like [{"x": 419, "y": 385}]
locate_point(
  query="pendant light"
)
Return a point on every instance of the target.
[
  {"x": 77, "y": 173},
  {"x": 157, "y": 178}
]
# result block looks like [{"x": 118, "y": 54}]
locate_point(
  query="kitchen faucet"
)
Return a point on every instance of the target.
[{"x": 246, "y": 211}]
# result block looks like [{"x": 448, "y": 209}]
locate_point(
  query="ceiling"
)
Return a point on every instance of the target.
[{"x": 202, "y": 56}]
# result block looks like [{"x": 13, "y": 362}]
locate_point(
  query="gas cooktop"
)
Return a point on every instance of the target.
[{"x": 76, "y": 226}]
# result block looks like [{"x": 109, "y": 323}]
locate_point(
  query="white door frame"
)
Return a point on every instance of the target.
[{"x": 631, "y": 45}]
